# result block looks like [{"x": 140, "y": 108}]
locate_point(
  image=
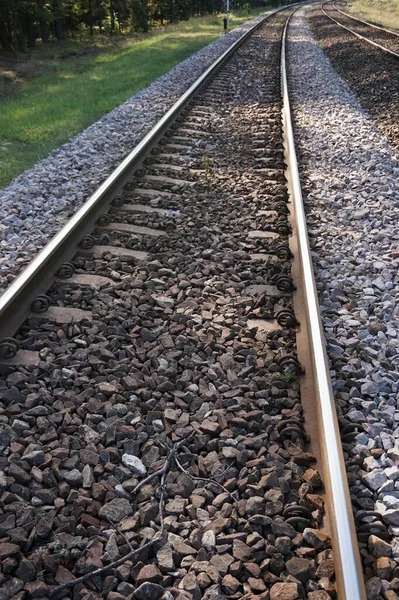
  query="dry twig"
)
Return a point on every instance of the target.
[
  {"x": 209, "y": 479},
  {"x": 115, "y": 525},
  {"x": 101, "y": 570},
  {"x": 134, "y": 552}
]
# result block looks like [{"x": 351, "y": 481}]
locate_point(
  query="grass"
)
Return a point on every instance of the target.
[
  {"x": 379, "y": 12},
  {"x": 60, "y": 88}
]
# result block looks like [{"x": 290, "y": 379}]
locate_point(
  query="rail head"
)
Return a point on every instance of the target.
[{"x": 349, "y": 576}]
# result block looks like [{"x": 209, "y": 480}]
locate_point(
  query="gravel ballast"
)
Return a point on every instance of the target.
[
  {"x": 372, "y": 74},
  {"x": 156, "y": 448},
  {"x": 149, "y": 358},
  {"x": 351, "y": 191},
  {"x": 40, "y": 201}
]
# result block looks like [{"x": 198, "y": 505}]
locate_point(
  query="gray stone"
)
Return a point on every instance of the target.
[
  {"x": 189, "y": 583},
  {"x": 373, "y": 588},
  {"x": 134, "y": 464},
  {"x": 254, "y": 505},
  {"x": 298, "y": 568},
  {"x": 316, "y": 538},
  {"x": 280, "y": 528},
  {"x": 12, "y": 587},
  {"x": 369, "y": 389},
  {"x": 165, "y": 559},
  {"x": 26, "y": 570},
  {"x": 209, "y": 540},
  {"x": 149, "y": 591},
  {"x": 116, "y": 510},
  {"x": 284, "y": 591},
  {"x": 164, "y": 301},
  {"x": 36, "y": 457},
  {"x": 74, "y": 478},
  {"x": 391, "y": 517},
  {"x": 375, "y": 479},
  {"x": 379, "y": 547}
]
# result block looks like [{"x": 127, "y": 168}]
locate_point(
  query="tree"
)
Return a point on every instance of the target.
[
  {"x": 139, "y": 14},
  {"x": 44, "y": 17},
  {"x": 6, "y": 38},
  {"x": 22, "y": 22},
  {"x": 122, "y": 12},
  {"x": 99, "y": 14}
]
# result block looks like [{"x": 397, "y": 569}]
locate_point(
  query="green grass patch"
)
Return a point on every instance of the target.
[
  {"x": 60, "y": 88},
  {"x": 379, "y": 12}
]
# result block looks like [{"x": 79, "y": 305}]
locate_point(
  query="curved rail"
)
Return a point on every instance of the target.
[
  {"x": 39, "y": 275},
  {"x": 379, "y": 46},
  {"x": 345, "y": 546},
  {"x": 350, "y": 16}
]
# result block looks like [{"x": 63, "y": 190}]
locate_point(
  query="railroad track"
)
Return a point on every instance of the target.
[
  {"x": 371, "y": 73},
  {"x": 167, "y": 410},
  {"x": 384, "y": 39}
]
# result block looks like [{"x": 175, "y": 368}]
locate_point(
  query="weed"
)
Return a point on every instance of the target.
[
  {"x": 289, "y": 376},
  {"x": 209, "y": 172},
  {"x": 338, "y": 69}
]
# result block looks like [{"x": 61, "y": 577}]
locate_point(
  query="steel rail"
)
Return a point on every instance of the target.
[
  {"x": 396, "y": 33},
  {"x": 367, "y": 40},
  {"x": 38, "y": 276},
  {"x": 349, "y": 577}
]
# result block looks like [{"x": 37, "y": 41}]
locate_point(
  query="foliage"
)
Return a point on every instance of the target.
[
  {"x": 289, "y": 376},
  {"x": 139, "y": 15},
  {"x": 23, "y": 22}
]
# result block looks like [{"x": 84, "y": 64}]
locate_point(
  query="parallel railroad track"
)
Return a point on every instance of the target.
[
  {"x": 181, "y": 336},
  {"x": 371, "y": 73},
  {"x": 384, "y": 39}
]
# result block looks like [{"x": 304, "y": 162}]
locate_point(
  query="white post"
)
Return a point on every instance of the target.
[{"x": 228, "y": 11}]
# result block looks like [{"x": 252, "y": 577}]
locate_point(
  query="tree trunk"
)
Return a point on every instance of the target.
[
  {"x": 5, "y": 32},
  {"x": 30, "y": 31},
  {"x": 14, "y": 27},
  {"x": 44, "y": 33},
  {"x": 112, "y": 14},
  {"x": 90, "y": 18},
  {"x": 59, "y": 33},
  {"x": 145, "y": 9}
]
